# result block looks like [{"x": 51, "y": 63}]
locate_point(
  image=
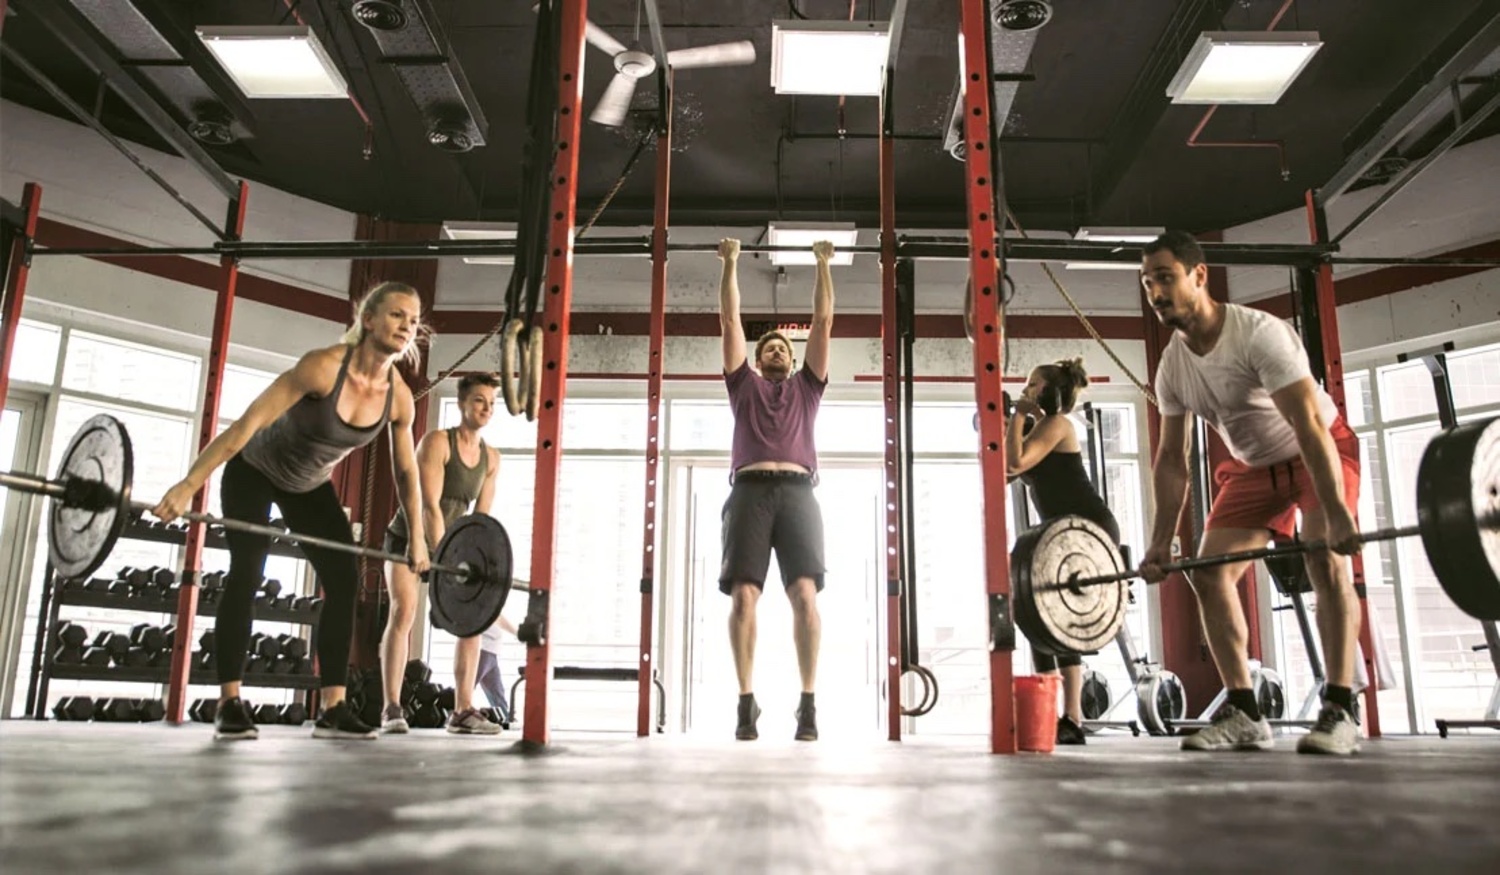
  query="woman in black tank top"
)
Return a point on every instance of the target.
[{"x": 1042, "y": 449}]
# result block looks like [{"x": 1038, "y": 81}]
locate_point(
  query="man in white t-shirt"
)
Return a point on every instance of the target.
[{"x": 1246, "y": 374}]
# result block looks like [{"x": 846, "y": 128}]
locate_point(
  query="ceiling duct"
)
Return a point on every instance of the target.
[
  {"x": 412, "y": 44},
  {"x": 151, "y": 57},
  {"x": 1012, "y": 37}
]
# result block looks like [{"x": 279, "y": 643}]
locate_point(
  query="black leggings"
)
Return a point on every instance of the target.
[{"x": 247, "y": 495}]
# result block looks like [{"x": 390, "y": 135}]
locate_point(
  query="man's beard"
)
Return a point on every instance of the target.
[{"x": 774, "y": 371}]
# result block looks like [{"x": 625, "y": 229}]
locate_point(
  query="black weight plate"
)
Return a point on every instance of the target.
[
  {"x": 1058, "y": 619},
  {"x": 1095, "y": 695},
  {"x": 79, "y": 539},
  {"x": 465, "y": 606},
  {"x": 1270, "y": 695},
  {"x": 1458, "y": 491}
]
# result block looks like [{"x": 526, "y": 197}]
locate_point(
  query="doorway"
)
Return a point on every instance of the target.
[{"x": 851, "y": 605}]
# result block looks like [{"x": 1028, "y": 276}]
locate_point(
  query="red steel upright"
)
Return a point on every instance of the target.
[
  {"x": 1333, "y": 378},
  {"x": 985, "y": 271},
  {"x": 654, "y": 368},
  {"x": 559, "y": 300},
  {"x": 208, "y": 427},
  {"x": 890, "y": 354},
  {"x": 15, "y": 281}
]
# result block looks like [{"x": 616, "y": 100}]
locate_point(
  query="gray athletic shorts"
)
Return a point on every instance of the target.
[{"x": 771, "y": 510}]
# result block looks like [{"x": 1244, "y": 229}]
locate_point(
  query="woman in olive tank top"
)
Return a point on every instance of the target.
[
  {"x": 282, "y": 451},
  {"x": 457, "y": 470},
  {"x": 1049, "y": 460}
]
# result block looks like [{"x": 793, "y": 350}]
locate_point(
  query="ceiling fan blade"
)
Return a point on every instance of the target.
[
  {"x": 601, "y": 40},
  {"x": 721, "y": 55},
  {"x": 615, "y": 104}
]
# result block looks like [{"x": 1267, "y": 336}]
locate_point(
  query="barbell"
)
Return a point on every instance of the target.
[
  {"x": 470, "y": 575},
  {"x": 1069, "y": 582}
]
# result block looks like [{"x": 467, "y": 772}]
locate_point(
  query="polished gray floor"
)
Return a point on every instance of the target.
[{"x": 120, "y": 798}]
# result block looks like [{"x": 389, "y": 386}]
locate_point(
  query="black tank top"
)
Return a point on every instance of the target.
[{"x": 1060, "y": 485}]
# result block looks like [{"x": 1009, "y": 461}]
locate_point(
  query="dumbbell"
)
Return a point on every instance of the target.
[
  {"x": 70, "y": 634},
  {"x": 257, "y": 665},
  {"x": 262, "y": 644},
  {"x": 309, "y": 603},
  {"x": 206, "y": 641},
  {"x": 277, "y": 523},
  {"x": 148, "y": 637},
  {"x": 160, "y": 658},
  {"x": 74, "y": 708},
  {"x": 112, "y": 643},
  {"x": 271, "y": 587},
  {"x": 66, "y": 655},
  {"x": 292, "y": 646},
  {"x": 136, "y": 657},
  {"x": 212, "y": 580},
  {"x": 120, "y": 588},
  {"x": 266, "y": 714},
  {"x": 95, "y": 656},
  {"x": 150, "y": 711},
  {"x": 445, "y": 698},
  {"x": 294, "y": 714},
  {"x": 97, "y": 584},
  {"x": 133, "y": 576},
  {"x": 283, "y": 602},
  {"x": 203, "y": 710},
  {"x": 115, "y": 710},
  {"x": 417, "y": 672}
]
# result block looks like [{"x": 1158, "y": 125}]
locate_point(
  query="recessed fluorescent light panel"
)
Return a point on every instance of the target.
[
  {"x": 482, "y": 231},
  {"x": 275, "y": 61},
  {"x": 1127, "y": 236},
  {"x": 1242, "y": 67},
  {"x": 802, "y": 236},
  {"x": 837, "y": 58}
]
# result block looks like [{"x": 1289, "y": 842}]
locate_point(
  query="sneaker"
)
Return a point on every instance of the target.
[
  {"x": 340, "y": 721},
  {"x": 472, "y": 722},
  {"x": 749, "y": 713},
  {"x": 234, "y": 722},
  {"x": 1335, "y": 733},
  {"x": 1231, "y": 730},
  {"x": 1069, "y": 732},
  {"x": 393, "y": 720},
  {"x": 807, "y": 723}
]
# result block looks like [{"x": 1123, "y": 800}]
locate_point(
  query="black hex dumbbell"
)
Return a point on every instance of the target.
[
  {"x": 294, "y": 714},
  {"x": 266, "y": 714},
  {"x": 203, "y": 710},
  {"x": 292, "y": 647},
  {"x": 257, "y": 665},
  {"x": 148, "y": 637},
  {"x": 70, "y": 634},
  {"x": 264, "y": 645},
  {"x": 115, "y": 710},
  {"x": 445, "y": 698},
  {"x": 136, "y": 657},
  {"x": 150, "y": 711},
  {"x": 133, "y": 576},
  {"x": 95, "y": 656},
  {"x": 74, "y": 708},
  {"x": 71, "y": 656},
  {"x": 271, "y": 587},
  {"x": 112, "y": 643}
]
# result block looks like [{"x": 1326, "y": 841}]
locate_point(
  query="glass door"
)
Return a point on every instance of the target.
[{"x": 851, "y": 606}]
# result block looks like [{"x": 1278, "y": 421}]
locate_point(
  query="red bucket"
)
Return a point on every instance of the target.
[{"x": 1036, "y": 712}]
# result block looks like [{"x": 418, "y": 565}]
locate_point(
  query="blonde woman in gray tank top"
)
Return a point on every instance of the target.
[
  {"x": 282, "y": 451},
  {"x": 457, "y": 470}
]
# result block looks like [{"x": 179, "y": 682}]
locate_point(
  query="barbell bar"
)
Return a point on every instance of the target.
[{"x": 470, "y": 574}]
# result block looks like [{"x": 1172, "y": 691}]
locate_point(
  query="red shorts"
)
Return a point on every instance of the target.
[{"x": 1267, "y": 497}]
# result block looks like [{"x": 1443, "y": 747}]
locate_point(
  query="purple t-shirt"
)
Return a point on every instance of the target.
[{"x": 773, "y": 420}]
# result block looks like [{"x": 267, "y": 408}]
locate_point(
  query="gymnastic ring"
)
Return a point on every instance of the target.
[{"x": 508, "y": 365}]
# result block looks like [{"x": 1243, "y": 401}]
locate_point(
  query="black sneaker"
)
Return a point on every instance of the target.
[
  {"x": 234, "y": 722},
  {"x": 340, "y": 721},
  {"x": 1069, "y": 732},
  {"x": 749, "y": 713},
  {"x": 807, "y": 723}
]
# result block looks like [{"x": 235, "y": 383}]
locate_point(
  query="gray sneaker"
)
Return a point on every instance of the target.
[
  {"x": 1335, "y": 733},
  {"x": 472, "y": 721},
  {"x": 393, "y": 720},
  {"x": 1231, "y": 730}
]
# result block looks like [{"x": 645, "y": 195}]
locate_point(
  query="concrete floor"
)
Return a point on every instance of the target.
[{"x": 108, "y": 798}]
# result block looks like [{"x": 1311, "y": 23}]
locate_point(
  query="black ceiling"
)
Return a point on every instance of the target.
[{"x": 1091, "y": 139}]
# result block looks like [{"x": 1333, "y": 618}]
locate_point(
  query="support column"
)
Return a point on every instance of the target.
[
  {"x": 208, "y": 428},
  {"x": 15, "y": 279},
  {"x": 1332, "y": 367},
  {"x": 890, "y": 355},
  {"x": 559, "y": 300},
  {"x": 983, "y": 188},
  {"x": 654, "y": 368}
]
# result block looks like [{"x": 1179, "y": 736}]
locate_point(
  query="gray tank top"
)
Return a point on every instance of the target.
[
  {"x": 298, "y": 451},
  {"x": 461, "y": 485}
]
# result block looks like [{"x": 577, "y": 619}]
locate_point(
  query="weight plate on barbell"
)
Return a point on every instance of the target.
[
  {"x": 79, "y": 539},
  {"x": 1055, "y": 618},
  {"x": 466, "y": 605},
  {"x": 1270, "y": 694},
  {"x": 1160, "y": 700},
  {"x": 1458, "y": 494},
  {"x": 1095, "y": 695}
]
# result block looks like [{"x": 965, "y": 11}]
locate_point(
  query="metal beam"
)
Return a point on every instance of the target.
[
  {"x": 658, "y": 41},
  {"x": 1470, "y": 43},
  {"x": 1411, "y": 171},
  {"x": 71, "y": 33}
]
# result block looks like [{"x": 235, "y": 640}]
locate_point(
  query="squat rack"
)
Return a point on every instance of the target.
[{"x": 986, "y": 256}]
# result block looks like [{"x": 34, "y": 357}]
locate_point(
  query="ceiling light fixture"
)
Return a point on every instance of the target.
[
  {"x": 379, "y": 14},
  {"x": 836, "y": 58},
  {"x": 482, "y": 231},
  {"x": 802, "y": 235},
  {"x": 1254, "y": 67},
  {"x": 1023, "y": 15},
  {"x": 1133, "y": 237},
  {"x": 282, "y": 62}
]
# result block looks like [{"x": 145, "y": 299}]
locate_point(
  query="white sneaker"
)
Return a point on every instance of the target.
[
  {"x": 393, "y": 720},
  {"x": 472, "y": 722},
  {"x": 1335, "y": 733},
  {"x": 1231, "y": 730}
]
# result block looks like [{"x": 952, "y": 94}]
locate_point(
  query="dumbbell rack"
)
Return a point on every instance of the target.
[{"x": 54, "y": 598}]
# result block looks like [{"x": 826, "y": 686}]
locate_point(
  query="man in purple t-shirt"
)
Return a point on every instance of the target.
[{"x": 771, "y": 506}]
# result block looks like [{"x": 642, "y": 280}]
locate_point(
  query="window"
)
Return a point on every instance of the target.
[
  {"x": 131, "y": 371},
  {"x": 241, "y": 386},
  {"x": 1406, "y": 391},
  {"x": 1475, "y": 375},
  {"x": 1360, "y": 407},
  {"x": 35, "y": 356}
]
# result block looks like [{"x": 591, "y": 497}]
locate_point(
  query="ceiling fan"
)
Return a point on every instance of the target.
[{"x": 633, "y": 64}]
